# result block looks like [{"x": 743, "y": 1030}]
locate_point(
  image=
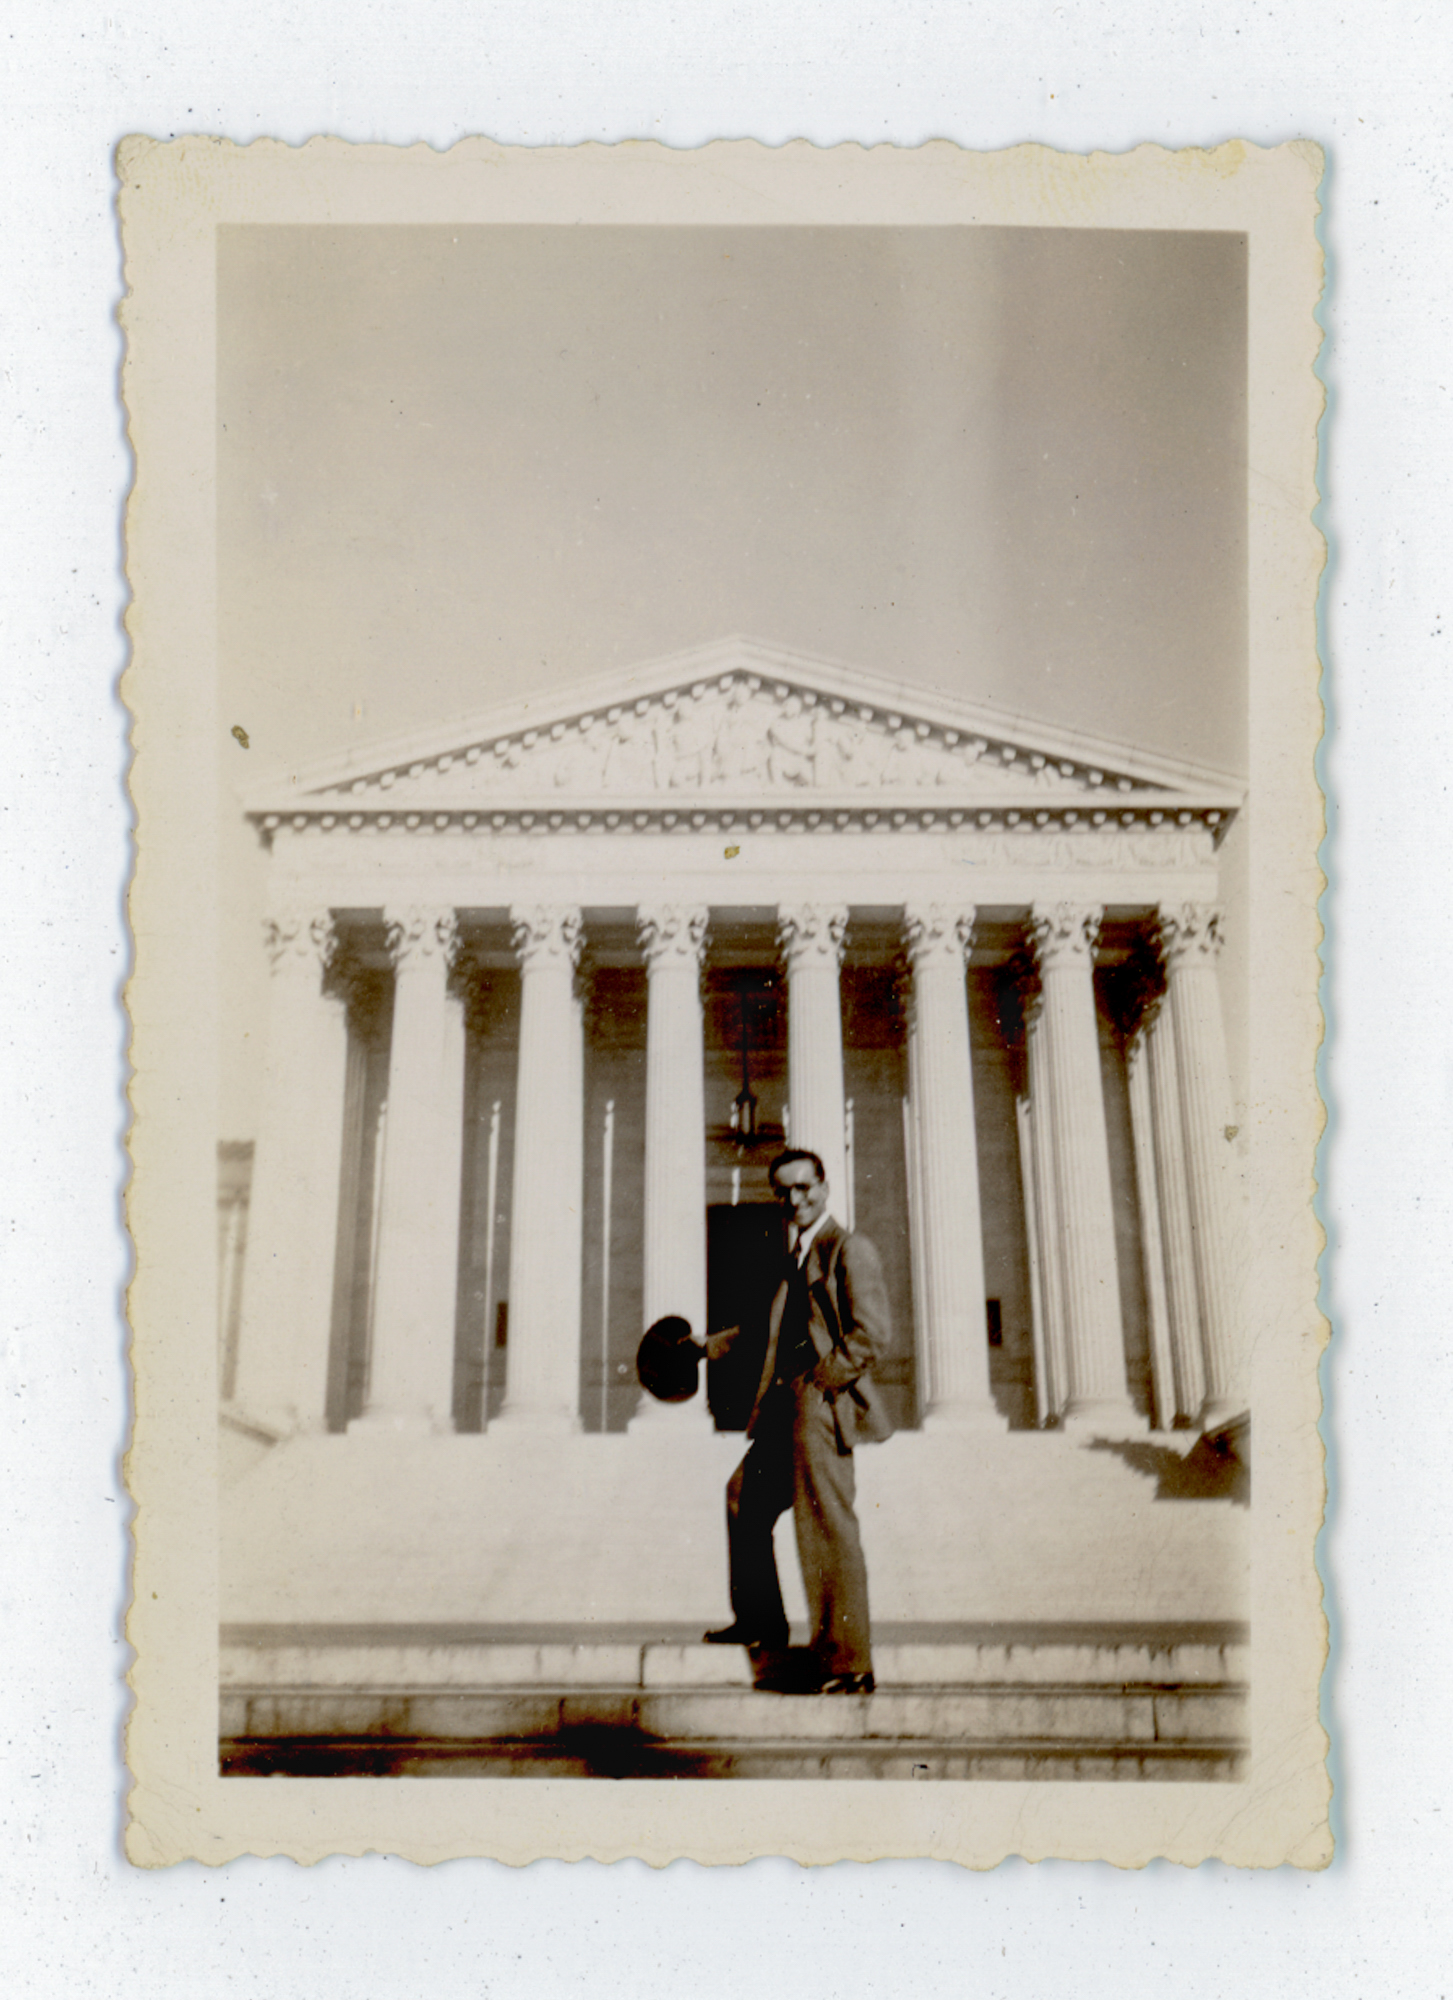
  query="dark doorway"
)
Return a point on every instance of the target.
[{"x": 744, "y": 1252}]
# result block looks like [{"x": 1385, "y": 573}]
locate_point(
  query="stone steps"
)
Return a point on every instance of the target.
[
  {"x": 320, "y": 1657},
  {"x": 1050, "y": 1703},
  {"x": 501, "y": 1527},
  {"x": 603, "y": 1756}
]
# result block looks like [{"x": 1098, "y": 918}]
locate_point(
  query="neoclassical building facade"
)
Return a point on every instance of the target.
[{"x": 550, "y": 988}]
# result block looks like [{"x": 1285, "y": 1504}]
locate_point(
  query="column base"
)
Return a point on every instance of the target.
[
  {"x": 967, "y": 1417},
  {"x": 547, "y": 1421},
  {"x": 1108, "y": 1419},
  {"x": 402, "y": 1423},
  {"x": 1221, "y": 1413}
]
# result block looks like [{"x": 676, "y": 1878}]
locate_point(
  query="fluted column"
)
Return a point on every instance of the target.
[
  {"x": 411, "y": 1359},
  {"x": 1152, "y": 1248},
  {"x": 673, "y": 940},
  {"x": 954, "y": 1328},
  {"x": 1183, "y": 1307},
  {"x": 287, "y": 1300},
  {"x": 1042, "y": 1218},
  {"x": 543, "y": 1370},
  {"x": 1024, "y": 1124},
  {"x": 811, "y": 938},
  {"x": 1064, "y": 937},
  {"x": 1191, "y": 939},
  {"x": 913, "y": 1169}
]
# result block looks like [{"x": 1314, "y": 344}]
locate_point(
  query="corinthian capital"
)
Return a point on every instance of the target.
[
  {"x": 812, "y": 932},
  {"x": 1064, "y": 933},
  {"x": 300, "y": 940},
  {"x": 1190, "y": 933},
  {"x": 415, "y": 935},
  {"x": 672, "y": 933},
  {"x": 546, "y": 933},
  {"x": 937, "y": 933}
]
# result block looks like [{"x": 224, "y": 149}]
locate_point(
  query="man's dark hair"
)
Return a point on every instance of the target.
[{"x": 792, "y": 1153}]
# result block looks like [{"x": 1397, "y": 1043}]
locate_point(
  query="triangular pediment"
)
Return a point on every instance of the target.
[{"x": 743, "y": 723}]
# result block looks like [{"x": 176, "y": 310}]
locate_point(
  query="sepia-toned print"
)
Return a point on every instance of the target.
[{"x": 553, "y": 985}]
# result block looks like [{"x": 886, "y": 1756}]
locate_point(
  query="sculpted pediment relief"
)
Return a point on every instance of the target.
[
  {"x": 740, "y": 739},
  {"x": 740, "y": 726}
]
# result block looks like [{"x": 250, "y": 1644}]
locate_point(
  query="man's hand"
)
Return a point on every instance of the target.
[{"x": 834, "y": 1374}]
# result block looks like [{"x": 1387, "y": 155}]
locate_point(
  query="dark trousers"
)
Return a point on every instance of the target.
[{"x": 795, "y": 1461}]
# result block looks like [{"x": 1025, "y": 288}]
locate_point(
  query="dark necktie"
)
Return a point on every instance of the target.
[{"x": 796, "y": 1354}]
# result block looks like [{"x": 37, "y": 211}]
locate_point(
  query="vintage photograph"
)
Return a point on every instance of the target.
[
  {"x": 729, "y": 1197},
  {"x": 747, "y": 1226}
]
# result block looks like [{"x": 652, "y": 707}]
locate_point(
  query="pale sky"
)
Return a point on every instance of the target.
[{"x": 456, "y": 465}]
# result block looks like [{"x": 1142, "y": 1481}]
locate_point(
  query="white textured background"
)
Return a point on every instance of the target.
[{"x": 1371, "y": 81}]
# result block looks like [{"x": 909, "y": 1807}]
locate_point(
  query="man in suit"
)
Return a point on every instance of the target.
[{"x": 816, "y": 1400}]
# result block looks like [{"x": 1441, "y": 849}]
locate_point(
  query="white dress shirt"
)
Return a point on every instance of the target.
[{"x": 803, "y": 1243}]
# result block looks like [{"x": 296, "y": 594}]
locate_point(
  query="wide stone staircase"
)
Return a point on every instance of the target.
[{"x": 954, "y": 1701}]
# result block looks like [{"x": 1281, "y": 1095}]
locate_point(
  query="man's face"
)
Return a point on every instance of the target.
[{"x": 802, "y": 1195}]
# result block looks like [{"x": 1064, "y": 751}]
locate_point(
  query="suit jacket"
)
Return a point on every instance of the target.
[{"x": 848, "y": 1325}]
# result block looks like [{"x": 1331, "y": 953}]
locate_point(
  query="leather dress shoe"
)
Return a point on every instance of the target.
[
  {"x": 739, "y": 1635},
  {"x": 848, "y": 1684}
]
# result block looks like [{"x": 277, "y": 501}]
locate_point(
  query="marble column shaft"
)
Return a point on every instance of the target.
[
  {"x": 1152, "y": 1248},
  {"x": 1024, "y": 1125},
  {"x": 1183, "y": 1306},
  {"x": 673, "y": 940},
  {"x": 542, "y": 1383},
  {"x": 1042, "y": 1199},
  {"x": 1064, "y": 938},
  {"x": 811, "y": 938},
  {"x": 287, "y": 1296},
  {"x": 1191, "y": 940},
  {"x": 955, "y": 1326},
  {"x": 411, "y": 1357},
  {"x": 913, "y": 1170}
]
